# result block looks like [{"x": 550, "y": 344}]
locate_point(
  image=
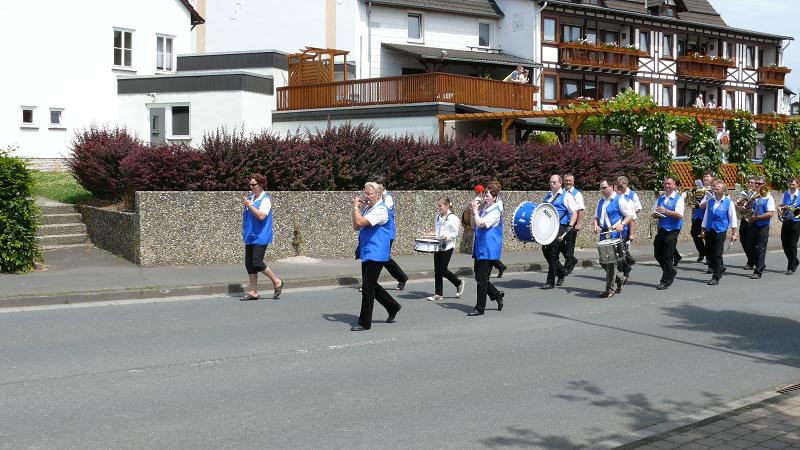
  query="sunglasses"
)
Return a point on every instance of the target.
[{"x": 253, "y": 184}]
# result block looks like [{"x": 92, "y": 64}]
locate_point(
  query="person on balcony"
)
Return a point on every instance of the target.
[
  {"x": 514, "y": 75},
  {"x": 698, "y": 102}
]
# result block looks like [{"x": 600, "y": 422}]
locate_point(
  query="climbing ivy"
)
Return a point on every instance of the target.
[
  {"x": 655, "y": 141},
  {"x": 743, "y": 140},
  {"x": 776, "y": 155},
  {"x": 704, "y": 151}
]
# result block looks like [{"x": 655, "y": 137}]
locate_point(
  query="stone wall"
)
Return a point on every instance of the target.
[
  {"x": 48, "y": 164},
  {"x": 190, "y": 228}
]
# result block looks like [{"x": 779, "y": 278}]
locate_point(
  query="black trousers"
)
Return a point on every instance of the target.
[
  {"x": 758, "y": 237},
  {"x": 551, "y": 254},
  {"x": 714, "y": 246},
  {"x": 394, "y": 270},
  {"x": 497, "y": 264},
  {"x": 440, "y": 262},
  {"x": 790, "y": 232},
  {"x": 254, "y": 258},
  {"x": 482, "y": 268},
  {"x": 371, "y": 291},
  {"x": 697, "y": 228},
  {"x": 613, "y": 274},
  {"x": 664, "y": 252},
  {"x": 568, "y": 249},
  {"x": 744, "y": 237}
]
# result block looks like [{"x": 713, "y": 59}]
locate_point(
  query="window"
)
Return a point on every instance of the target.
[
  {"x": 570, "y": 33},
  {"x": 483, "y": 34},
  {"x": 589, "y": 89},
  {"x": 56, "y": 117},
  {"x": 666, "y": 46},
  {"x": 27, "y": 115},
  {"x": 731, "y": 100},
  {"x": 163, "y": 53},
  {"x": 549, "y": 27},
  {"x": 569, "y": 89},
  {"x": 591, "y": 35},
  {"x": 609, "y": 90},
  {"x": 666, "y": 96},
  {"x": 730, "y": 50},
  {"x": 681, "y": 47},
  {"x": 180, "y": 121},
  {"x": 549, "y": 88},
  {"x": 415, "y": 27},
  {"x": 123, "y": 44},
  {"x": 644, "y": 89},
  {"x": 644, "y": 41},
  {"x": 611, "y": 37},
  {"x": 750, "y": 57},
  {"x": 749, "y": 102}
]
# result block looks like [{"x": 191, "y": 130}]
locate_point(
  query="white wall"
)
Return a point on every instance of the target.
[
  {"x": 59, "y": 54},
  {"x": 424, "y": 127}
]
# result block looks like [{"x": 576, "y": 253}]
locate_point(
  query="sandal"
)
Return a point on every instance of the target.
[
  {"x": 249, "y": 296},
  {"x": 277, "y": 292}
]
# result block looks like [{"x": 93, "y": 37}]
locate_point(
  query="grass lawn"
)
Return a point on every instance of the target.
[{"x": 59, "y": 186}]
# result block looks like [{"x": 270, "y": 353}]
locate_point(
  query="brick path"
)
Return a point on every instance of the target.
[{"x": 770, "y": 424}]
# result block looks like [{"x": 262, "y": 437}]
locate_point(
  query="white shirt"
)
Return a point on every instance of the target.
[
  {"x": 388, "y": 199},
  {"x": 266, "y": 204},
  {"x": 376, "y": 215},
  {"x": 578, "y": 198},
  {"x": 770, "y": 203},
  {"x": 625, "y": 207},
  {"x": 717, "y": 205},
  {"x": 492, "y": 216},
  {"x": 447, "y": 228},
  {"x": 637, "y": 205},
  {"x": 680, "y": 206}
]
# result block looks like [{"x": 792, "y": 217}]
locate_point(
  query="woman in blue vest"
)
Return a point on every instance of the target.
[
  {"x": 565, "y": 206},
  {"x": 374, "y": 242},
  {"x": 719, "y": 215},
  {"x": 257, "y": 234},
  {"x": 614, "y": 213},
  {"x": 790, "y": 230},
  {"x": 488, "y": 247},
  {"x": 669, "y": 209}
]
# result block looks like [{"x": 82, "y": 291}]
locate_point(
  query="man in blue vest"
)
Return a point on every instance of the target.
[
  {"x": 630, "y": 234},
  {"x": 669, "y": 210},
  {"x": 257, "y": 235},
  {"x": 374, "y": 236},
  {"x": 565, "y": 206},
  {"x": 744, "y": 225},
  {"x": 391, "y": 266},
  {"x": 613, "y": 214},
  {"x": 719, "y": 215},
  {"x": 568, "y": 249},
  {"x": 487, "y": 248},
  {"x": 790, "y": 230},
  {"x": 758, "y": 229},
  {"x": 698, "y": 212}
]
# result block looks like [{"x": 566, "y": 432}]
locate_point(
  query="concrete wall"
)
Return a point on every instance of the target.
[{"x": 194, "y": 228}]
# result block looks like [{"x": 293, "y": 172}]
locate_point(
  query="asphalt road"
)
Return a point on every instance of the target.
[{"x": 555, "y": 369}]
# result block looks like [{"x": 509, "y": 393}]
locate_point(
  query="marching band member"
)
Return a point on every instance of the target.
[
  {"x": 257, "y": 235},
  {"x": 499, "y": 264},
  {"x": 744, "y": 226},
  {"x": 565, "y": 206},
  {"x": 479, "y": 190},
  {"x": 447, "y": 226},
  {"x": 568, "y": 249},
  {"x": 719, "y": 215},
  {"x": 697, "y": 217},
  {"x": 391, "y": 266},
  {"x": 488, "y": 247},
  {"x": 619, "y": 189},
  {"x": 613, "y": 213},
  {"x": 790, "y": 230},
  {"x": 630, "y": 236},
  {"x": 669, "y": 208},
  {"x": 374, "y": 246},
  {"x": 758, "y": 229}
]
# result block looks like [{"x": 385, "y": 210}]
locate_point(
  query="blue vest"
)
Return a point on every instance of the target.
[
  {"x": 614, "y": 216},
  {"x": 787, "y": 200},
  {"x": 254, "y": 231},
  {"x": 760, "y": 207},
  {"x": 489, "y": 241},
  {"x": 698, "y": 213},
  {"x": 575, "y": 191},
  {"x": 629, "y": 197},
  {"x": 669, "y": 223},
  {"x": 563, "y": 212},
  {"x": 374, "y": 241},
  {"x": 718, "y": 219},
  {"x": 390, "y": 223}
]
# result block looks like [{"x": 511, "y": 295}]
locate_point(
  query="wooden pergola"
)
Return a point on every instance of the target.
[
  {"x": 314, "y": 65},
  {"x": 575, "y": 116}
]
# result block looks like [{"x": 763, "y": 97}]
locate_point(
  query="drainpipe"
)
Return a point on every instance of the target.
[
  {"x": 369, "y": 39},
  {"x": 537, "y": 57}
]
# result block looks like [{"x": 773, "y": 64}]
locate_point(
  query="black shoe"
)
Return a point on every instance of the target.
[
  {"x": 723, "y": 269},
  {"x": 713, "y": 282},
  {"x": 747, "y": 267},
  {"x": 391, "y": 317},
  {"x": 500, "y": 271},
  {"x": 755, "y": 276},
  {"x": 475, "y": 312},
  {"x": 789, "y": 271},
  {"x": 358, "y": 328},
  {"x": 548, "y": 286},
  {"x": 607, "y": 294},
  {"x": 700, "y": 258},
  {"x": 277, "y": 293},
  {"x": 661, "y": 287},
  {"x": 401, "y": 285},
  {"x": 500, "y": 301},
  {"x": 560, "y": 279}
]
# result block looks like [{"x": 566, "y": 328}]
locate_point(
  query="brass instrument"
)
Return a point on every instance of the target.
[
  {"x": 794, "y": 211},
  {"x": 747, "y": 209},
  {"x": 699, "y": 194}
]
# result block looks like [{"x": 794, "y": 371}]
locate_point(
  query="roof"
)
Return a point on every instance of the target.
[
  {"x": 195, "y": 17},
  {"x": 435, "y": 53},
  {"x": 481, "y": 8}
]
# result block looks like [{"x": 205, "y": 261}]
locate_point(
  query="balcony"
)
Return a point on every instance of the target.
[
  {"x": 599, "y": 58},
  {"x": 704, "y": 68},
  {"x": 772, "y": 76},
  {"x": 427, "y": 87}
]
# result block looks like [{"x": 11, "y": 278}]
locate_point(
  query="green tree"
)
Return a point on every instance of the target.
[
  {"x": 629, "y": 112},
  {"x": 743, "y": 140},
  {"x": 704, "y": 151},
  {"x": 18, "y": 247},
  {"x": 655, "y": 141},
  {"x": 777, "y": 153}
]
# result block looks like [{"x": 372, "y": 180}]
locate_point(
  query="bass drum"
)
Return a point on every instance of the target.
[{"x": 536, "y": 222}]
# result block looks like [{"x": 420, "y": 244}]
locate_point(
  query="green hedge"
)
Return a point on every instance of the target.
[{"x": 18, "y": 247}]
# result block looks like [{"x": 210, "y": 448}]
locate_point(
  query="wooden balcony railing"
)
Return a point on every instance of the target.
[
  {"x": 599, "y": 57},
  {"x": 427, "y": 87},
  {"x": 703, "y": 68},
  {"x": 772, "y": 76}
]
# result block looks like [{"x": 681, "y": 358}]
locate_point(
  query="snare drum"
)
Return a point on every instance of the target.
[
  {"x": 428, "y": 245},
  {"x": 536, "y": 222},
  {"x": 611, "y": 251}
]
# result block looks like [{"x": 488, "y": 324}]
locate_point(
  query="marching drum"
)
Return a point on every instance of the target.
[
  {"x": 428, "y": 245},
  {"x": 536, "y": 222},
  {"x": 611, "y": 251}
]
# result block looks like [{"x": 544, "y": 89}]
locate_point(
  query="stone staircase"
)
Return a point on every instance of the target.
[{"x": 60, "y": 226}]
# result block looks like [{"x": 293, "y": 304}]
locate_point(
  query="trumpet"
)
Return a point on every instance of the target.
[{"x": 793, "y": 211}]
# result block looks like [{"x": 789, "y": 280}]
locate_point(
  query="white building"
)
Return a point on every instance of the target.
[{"x": 67, "y": 57}]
